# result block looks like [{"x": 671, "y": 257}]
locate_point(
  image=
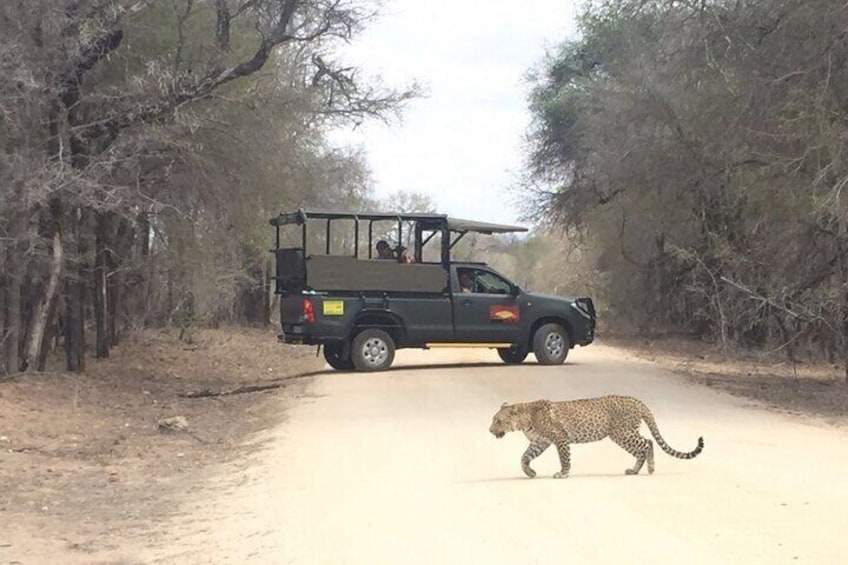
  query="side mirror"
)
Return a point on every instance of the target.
[{"x": 514, "y": 290}]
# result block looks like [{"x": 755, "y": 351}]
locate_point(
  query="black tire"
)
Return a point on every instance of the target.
[
  {"x": 333, "y": 354},
  {"x": 372, "y": 350},
  {"x": 551, "y": 344},
  {"x": 512, "y": 355}
]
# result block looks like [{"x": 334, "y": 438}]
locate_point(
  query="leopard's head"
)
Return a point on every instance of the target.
[{"x": 509, "y": 418}]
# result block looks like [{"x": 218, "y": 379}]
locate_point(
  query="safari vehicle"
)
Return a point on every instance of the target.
[{"x": 361, "y": 309}]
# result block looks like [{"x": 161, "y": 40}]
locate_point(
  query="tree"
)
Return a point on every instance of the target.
[
  {"x": 111, "y": 108},
  {"x": 691, "y": 144}
]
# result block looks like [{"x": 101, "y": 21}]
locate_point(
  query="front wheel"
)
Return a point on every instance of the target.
[
  {"x": 372, "y": 350},
  {"x": 512, "y": 355},
  {"x": 550, "y": 344},
  {"x": 333, "y": 354}
]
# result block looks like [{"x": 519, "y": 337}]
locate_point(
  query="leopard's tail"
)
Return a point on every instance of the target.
[{"x": 655, "y": 431}]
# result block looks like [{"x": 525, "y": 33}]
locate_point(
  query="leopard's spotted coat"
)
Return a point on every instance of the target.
[{"x": 581, "y": 421}]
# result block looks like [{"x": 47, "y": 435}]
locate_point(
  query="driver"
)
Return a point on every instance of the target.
[{"x": 466, "y": 281}]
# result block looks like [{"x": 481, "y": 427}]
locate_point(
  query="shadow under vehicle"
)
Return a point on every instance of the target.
[{"x": 361, "y": 309}]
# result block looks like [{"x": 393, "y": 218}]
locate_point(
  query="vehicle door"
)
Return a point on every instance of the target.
[
  {"x": 487, "y": 308},
  {"x": 419, "y": 296},
  {"x": 427, "y": 318}
]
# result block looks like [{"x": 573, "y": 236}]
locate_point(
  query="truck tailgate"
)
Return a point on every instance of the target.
[{"x": 291, "y": 308}]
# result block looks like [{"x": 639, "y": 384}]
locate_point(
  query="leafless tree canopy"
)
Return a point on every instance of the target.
[
  {"x": 698, "y": 149},
  {"x": 144, "y": 144}
]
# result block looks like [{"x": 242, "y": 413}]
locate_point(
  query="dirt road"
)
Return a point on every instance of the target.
[{"x": 399, "y": 467}]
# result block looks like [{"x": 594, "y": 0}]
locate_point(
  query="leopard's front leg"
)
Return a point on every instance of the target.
[
  {"x": 564, "y": 451},
  {"x": 533, "y": 451}
]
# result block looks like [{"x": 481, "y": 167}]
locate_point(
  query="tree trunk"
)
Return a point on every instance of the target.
[
  {"x": 12, "y": 335},
  {"x": 118, "y": 257},
  {"x": 3, "y": 334},
  {"x": 266, "y": 306},
  {"x": 843, "y": 296},
  {"x": 75, "y": 298},
  {"x": 74, "y": 325},
  {"x": 114, "y": 303},
  {"x": 147, "y": 265},
  {"x": 46, "y": 307},
  {"x": 101, "y": 235},
  {"x": 50, "y": 332},
  {"x": 170, "y": 313}
]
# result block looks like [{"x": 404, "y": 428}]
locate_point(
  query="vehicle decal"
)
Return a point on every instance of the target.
[
  {"x": 503, "y": 313},
  {"x": 333, "y": 308}
]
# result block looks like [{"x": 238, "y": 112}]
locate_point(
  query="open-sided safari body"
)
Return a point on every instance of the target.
[{"x": 361, "y": 309}]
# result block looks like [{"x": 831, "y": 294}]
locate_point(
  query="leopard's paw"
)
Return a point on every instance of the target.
[
  {"x": 529, "y": 472},
  {"x": 560, "y": 475}
]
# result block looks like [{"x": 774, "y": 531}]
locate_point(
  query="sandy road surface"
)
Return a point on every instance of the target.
[{"x": 399, "y": 468}]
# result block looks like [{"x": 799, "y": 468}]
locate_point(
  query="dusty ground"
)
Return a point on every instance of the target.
[
  {"x": 83, "y": 461},
  {"x": 399, "y": 467},
  {"x": 82, "y": 457}
]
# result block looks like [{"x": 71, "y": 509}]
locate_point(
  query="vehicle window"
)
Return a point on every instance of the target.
[{"x": 484, "y": 282}]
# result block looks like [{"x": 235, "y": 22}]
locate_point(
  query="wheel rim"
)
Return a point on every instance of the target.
[
  {"x": 554, "y": 345},
  {"x": 375, "y": 351}
]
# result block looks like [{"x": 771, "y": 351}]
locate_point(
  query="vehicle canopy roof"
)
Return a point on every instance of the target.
[{"x": 426, "y": 222}]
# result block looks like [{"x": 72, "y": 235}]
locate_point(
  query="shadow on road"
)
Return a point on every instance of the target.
[
  {"x": 570, "y": 477},
  {"x": 446, "y": 366},
  {"x": 431, "y": 366},
  {"x": 473, "y": 365}
]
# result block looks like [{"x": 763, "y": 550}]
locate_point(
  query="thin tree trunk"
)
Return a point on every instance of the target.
[
  {"x": 3, "y": 309},
  {"x": 117, "y": 258},
  {"x": 14, "y": 277},
  {"x": 114, "y": 303},
  {"x": 46, "y": 306},
  {"x": 75, "y": 299},
  {"x": 147, "y": 281},
  {"x": 32, "y": 290},
  {"x": 266, "y": 306},
  {"x": 843, "y": 296},
  {"x": 74, "y": 326},
  {"x": 50, "y": 332},
  {"x": 101, "y": 234},
  {"x": 170, "y": 312}
]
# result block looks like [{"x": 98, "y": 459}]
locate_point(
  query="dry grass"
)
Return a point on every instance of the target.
[
  {"x": 812, "y": 389},
  {"x": 84, "y": 455}
]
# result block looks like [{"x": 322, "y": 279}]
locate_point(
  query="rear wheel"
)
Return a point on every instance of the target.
[
  {"x": 372, "y": 350},
  {"x": 334, "y": 355},
  {"x": 512, "y": 355},
  {"x": 550, "y": 344}
]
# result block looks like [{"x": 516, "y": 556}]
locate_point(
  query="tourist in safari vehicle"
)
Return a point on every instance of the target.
[{"x": 361, "y": 309}]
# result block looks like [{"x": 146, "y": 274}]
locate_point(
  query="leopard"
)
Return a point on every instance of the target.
[{"x": 585, "y": 420}]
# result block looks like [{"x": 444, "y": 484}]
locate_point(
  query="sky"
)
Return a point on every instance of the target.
[{"x": 462, "y": 143}]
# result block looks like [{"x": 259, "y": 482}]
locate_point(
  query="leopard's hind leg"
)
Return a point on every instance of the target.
[{"x": 637, "y": 446}]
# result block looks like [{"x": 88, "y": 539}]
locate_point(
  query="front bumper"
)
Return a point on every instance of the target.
[{"x": 586, "y": 308}]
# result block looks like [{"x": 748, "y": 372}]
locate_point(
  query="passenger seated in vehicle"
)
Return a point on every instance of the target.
[
  {"x": 466, "y": 282},
  {"x": 402, "y": 257},
  {"x": 384, "y": 251}
]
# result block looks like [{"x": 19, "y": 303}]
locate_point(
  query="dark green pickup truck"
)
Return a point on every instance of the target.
[{"x": 361, "y": 309}]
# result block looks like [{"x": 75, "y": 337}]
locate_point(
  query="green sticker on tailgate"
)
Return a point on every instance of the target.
[{"x": 333, "y": 308}]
